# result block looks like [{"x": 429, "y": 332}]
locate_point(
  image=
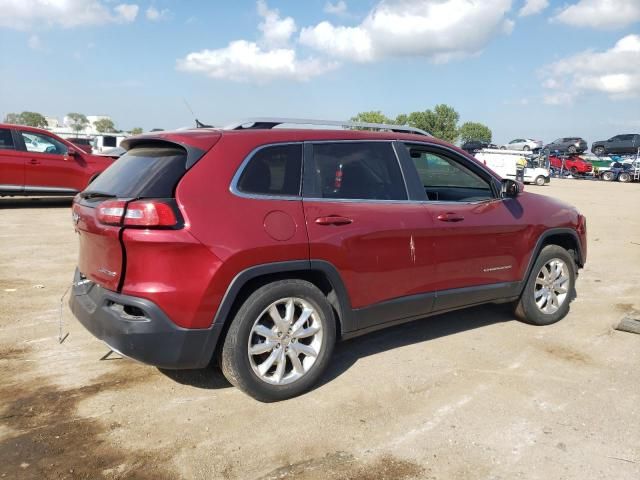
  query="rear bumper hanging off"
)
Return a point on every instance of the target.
[{"x": 137, "y": 328}]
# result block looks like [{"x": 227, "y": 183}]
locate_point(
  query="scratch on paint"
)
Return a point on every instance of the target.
[{"x": 412, "y": 249}]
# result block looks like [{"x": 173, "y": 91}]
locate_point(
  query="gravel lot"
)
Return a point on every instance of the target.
[{"x": 471, "y": 394}]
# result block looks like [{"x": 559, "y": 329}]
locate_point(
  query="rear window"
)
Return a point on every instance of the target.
[
  {"x": 6, "y": 140},
  {"x": 151, "y": 172},
  {"x": 273, "y": 170}
]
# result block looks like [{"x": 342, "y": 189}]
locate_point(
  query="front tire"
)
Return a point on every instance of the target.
[
  {"x": 571, "y": 149},
  {"x": 599, "y": 151},
  {"x": 550, "y": 288},
  {"x": 540, "y": 181},
  {"x": 280, "y": 341},
  {"x": 526, "y": 148}
]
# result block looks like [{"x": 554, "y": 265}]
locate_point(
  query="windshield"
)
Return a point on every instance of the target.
[{"x": 151, "y": 172}]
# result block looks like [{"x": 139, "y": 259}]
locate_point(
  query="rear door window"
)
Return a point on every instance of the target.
[
  {"x": 356, "y": 170},
  {"x": 6, "y": 140},
  {"x": 274, "y": 170},
  {"x": 143, "y": 172}
]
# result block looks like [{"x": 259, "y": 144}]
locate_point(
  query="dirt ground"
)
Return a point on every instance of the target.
[{"x": 471, "y": 394}]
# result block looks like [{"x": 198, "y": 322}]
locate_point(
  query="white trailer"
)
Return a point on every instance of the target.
[{"x": 504, "y": 163}]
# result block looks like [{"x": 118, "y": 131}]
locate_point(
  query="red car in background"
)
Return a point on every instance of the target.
[
  {"x": 37, "y": 162},
  {"x": 573, "y": 163}
]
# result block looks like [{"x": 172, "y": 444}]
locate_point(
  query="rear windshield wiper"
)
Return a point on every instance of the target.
[{"x": 95, "y": 194}]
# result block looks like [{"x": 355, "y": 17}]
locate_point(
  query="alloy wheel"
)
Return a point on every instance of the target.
[
  {"x": 285, "y": 341},
  {"x": 552, "y": 286}
]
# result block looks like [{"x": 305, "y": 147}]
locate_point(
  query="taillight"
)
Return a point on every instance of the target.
[
  {"x": 140, "y": 213},
  {"x": 150, "y": 213},
  {"x": 111, "y": 212}
]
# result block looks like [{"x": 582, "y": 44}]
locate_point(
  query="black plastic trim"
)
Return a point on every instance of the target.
[
  {"x": 153, "y": 338},
  {"x": 546, "y": 234}
]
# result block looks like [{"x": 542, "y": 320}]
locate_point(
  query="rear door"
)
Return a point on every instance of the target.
[
  {"x": 11, "y": 163},
  {"x": 48, "y": 165},
  {"x": 477, "y": 236},
  {"x": 360, "y": 219}
]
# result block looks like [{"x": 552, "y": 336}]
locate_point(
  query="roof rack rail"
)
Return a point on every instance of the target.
[{"x": 267, "y": 123}]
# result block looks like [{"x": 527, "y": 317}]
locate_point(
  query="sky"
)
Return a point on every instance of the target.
[{"x": 541, "y": 69}]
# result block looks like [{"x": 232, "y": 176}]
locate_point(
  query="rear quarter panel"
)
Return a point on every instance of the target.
[{"x": 232, "y": 228}]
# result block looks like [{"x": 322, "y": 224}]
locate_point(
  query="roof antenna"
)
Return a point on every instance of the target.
[{"x": 199, "y": 124}]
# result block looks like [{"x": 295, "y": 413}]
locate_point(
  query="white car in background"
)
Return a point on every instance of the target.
[
  {"x": 505, "y": 164},
  {"x": 525, "y": 144}
]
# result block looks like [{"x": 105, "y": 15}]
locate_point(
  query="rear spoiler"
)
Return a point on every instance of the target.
[{"x": 193, "y": 153}]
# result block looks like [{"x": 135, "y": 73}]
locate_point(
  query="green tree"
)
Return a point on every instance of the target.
[
  {"x": 475, "y": 131},
  {"x": 78, "y": 121},
  {"x": 136, "y": 131},
  {"x": 104, "y": 125},
  {"x": 402, "y": 119},
  {"x": 374, "y": 116},
  {"x": 441, "y": 122},
  {"x": 32, "y": 119},
  {"x": 13, "y": 118}
]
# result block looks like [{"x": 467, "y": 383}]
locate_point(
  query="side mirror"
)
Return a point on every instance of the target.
[
  {"x": 510, "y": 188},
  {"x": 71, "y": 152}
]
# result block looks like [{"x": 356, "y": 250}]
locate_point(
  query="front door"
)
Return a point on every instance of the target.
[
  {"x": 360, "y": 220},
  {"x": 477, "y": 236},
  {"x": 48, "y": 165}
]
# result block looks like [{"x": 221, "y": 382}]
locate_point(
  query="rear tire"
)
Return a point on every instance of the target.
[
  {"x": 550, "y": 288},
  {"x": 599, "y": 151},
  {"x": 624, "y": 177},
  {"x": 261, "y": 356},
  {"x": 526, "y": 148},
  {"x": 571, "y": 149}
]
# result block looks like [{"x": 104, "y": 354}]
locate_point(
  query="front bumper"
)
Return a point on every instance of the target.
[{"x": 139, "y": 329}]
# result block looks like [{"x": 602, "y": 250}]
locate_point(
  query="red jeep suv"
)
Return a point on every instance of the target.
[
  {"x": 259, "y": 247},
  {"x": 37, "y": 162}
]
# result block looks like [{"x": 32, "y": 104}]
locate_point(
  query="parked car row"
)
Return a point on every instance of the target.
[{"x": 619, "y": 144}]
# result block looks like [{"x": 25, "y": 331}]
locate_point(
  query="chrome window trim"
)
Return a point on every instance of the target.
[{"x": 233, "y": 187}]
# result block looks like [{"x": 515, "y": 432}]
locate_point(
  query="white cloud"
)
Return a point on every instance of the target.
[
  {"x": 247, "y": 62},
  {"x": 337, "y": 8},
  {"x": 126, "y": 13},
  {"x": 351, "y": 43},
  {"x": 604, "y": 14},
  {"x": 437, "y": 29},
  {"x": 614, "y": 72},
  {"x": 24, "y": 14},
  {"x": 271, "y": 57},
  {"x": 532, "y": 7},
  {"x": 155, "y": 15},
  {"x": 276, "y": 31},
  {"x": 34, "y": 42}
]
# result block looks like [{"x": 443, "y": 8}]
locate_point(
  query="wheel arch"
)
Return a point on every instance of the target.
[
  {"x": 320, "y": 273},
  {"x": 566, "y": 238}
]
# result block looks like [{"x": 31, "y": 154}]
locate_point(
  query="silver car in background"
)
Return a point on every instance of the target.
[{"x": 526, "y": 144}]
